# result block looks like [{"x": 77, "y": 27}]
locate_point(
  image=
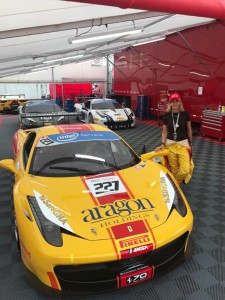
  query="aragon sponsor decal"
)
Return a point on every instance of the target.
[
  {"x": 120, "y": 208},
  {"x": 103, "y": 186},
  {"x": 52, "y": 212},
  {"x": 167, "y": 189}
]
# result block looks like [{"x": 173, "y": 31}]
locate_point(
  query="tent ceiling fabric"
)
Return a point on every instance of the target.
[
  {"x": 203, "y": 8},
  {"x": 32, "y": 32}
]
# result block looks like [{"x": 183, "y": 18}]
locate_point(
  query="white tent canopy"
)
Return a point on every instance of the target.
[{"x": 39, "y": 34}]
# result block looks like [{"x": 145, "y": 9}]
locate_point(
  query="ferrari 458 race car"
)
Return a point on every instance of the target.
[
  {"x": 91, "y": 214},
  {"x": 106, "y": 112},
  {"x": 40, "y": 113}
]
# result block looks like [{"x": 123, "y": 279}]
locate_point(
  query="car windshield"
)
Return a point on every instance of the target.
[
  {"x": 106, "y": 105},
  {"x": 82, "y": 158},
  {"x": 41, "y": 108}
]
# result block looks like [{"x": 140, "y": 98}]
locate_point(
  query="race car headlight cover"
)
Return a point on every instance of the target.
[
  {"x": 178, "y": 201},
  {"x": 49, "y": 230},
  {"x": 29, "y": 121},
  {"x": 101, "y": 115}
]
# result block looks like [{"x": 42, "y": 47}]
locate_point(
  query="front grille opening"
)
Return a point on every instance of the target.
[{"x": 106, "y": 271}]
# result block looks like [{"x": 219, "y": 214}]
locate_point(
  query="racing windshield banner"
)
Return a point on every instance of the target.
[{"x": 63, "y": 138}]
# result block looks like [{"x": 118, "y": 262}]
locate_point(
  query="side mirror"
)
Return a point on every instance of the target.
[{"x": 9, "y": 165}]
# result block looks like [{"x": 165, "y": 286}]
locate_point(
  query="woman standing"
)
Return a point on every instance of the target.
[{"x": 177, "y": 138}]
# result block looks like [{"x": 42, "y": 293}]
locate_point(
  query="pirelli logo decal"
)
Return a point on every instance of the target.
[{"x": 132, "y": 242}]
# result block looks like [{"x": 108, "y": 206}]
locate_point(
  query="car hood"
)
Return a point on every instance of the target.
[
  {"x": 114, "y": 113},
  {"x": 93, "y": 206}
]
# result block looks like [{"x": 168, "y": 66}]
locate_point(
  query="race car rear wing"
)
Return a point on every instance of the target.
[{"x": 56, "y": 114}]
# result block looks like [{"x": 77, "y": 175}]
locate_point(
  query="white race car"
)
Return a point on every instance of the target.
[{"x": 106, "y": 112}]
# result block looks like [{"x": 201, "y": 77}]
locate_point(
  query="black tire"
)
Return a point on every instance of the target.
[
  {"x": 77, "y": 117},
  {"x": 67, "y": 120},
  {"x": 16, "y": 231}
]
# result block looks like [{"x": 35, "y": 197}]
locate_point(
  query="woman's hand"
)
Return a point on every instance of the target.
[{"x": 161, "y": 147}]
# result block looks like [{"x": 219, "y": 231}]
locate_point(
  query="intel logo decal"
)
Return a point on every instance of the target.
[{"x": 67, "y": 137}]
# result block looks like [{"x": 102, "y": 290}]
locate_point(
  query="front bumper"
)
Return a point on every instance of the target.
[
  {"x": 119, "y": 124},
  {"x": 99, "y": 277}
]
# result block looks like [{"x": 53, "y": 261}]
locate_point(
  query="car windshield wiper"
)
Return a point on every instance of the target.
[
  {"x": 54, "y": 161},
  {"x": 91, "y": 159},
  {"x": 112, "y": 165},
  {"x": 72, "y": 169},
  {"x": 72, "y": 159}
]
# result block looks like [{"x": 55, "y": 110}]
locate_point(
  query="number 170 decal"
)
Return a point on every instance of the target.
[
  {"x": 136, "y": 276},
  {"x": 105, "y": 185}
]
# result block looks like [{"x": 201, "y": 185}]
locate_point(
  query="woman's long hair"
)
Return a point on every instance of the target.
[{"x": 180, "y": 108}]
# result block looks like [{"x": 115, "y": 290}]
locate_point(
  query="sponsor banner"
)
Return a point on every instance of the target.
[{"x": 69, "y": 137}]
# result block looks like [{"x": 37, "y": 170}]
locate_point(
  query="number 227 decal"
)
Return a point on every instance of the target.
[{"x": 105, "y": 185}]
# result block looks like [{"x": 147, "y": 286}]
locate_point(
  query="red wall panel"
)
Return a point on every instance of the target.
[
  {"x": 71, "y": 90},
  {"x": 192, "y": 62}
]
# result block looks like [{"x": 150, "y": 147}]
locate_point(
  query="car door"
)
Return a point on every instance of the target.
[{"x": 85, "y": 110}]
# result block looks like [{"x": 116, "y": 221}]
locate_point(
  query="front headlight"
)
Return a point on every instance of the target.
[
  {"x": 172, "y": 197},
  {"x": 49, "y": 230},
  {"x": 132, "y": 113},
  {"x": 28, "y": 121},
  {"x": 178, "y": 201},
  {"x": 101, "y": 115}
]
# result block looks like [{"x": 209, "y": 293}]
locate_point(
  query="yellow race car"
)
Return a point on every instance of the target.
[
  {"x": 11, "y": 102},
  {"x": 91, "y": 214}
]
